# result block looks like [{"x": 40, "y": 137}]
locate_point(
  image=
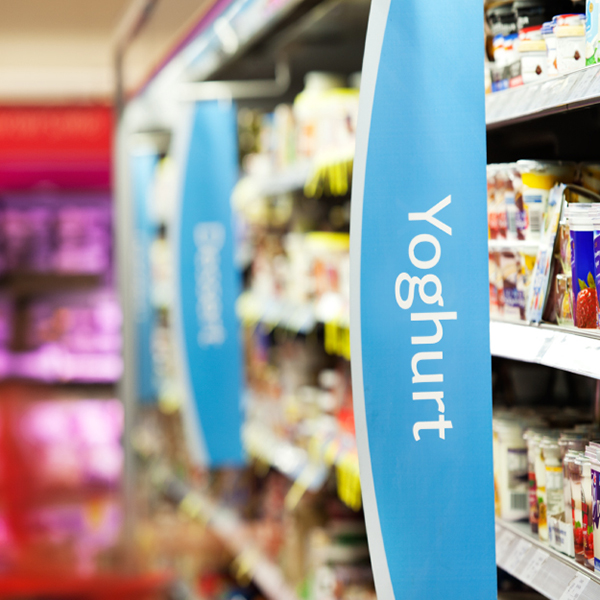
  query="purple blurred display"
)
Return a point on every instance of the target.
[
  {"x": 73, "y": 444},
  {"x": 69, "y": 337},
  {"x": 65, "y": 234}
]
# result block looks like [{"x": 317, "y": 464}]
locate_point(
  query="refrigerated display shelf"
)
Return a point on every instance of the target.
[
  {"x": 574, "y": 350},
  {"x": 231, "y": 530},
  {"x": 293, "y": 462},
  {"x": 298, "y": 317},
  {"x": 290, "y": 179},
  {"x": 555, "y": 575},
  {"x": 333, "y": 172},
  {"x": 310, "y": 469},
  {"x": 515, "y": 245},
  {"x": 558, "y": 94}
]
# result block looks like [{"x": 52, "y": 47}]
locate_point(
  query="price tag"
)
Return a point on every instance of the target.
[
  {"x": 583, "y": 84},
  {"x": 534, "y": 565},
  {"x": 502, "y": 545},
  {"x": 517, "y": 555},
  {"x": 575, "y": 587}
]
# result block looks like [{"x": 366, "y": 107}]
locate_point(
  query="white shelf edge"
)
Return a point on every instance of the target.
[
  {"x": 548, "y": 345},
  {"x": 533, "y": 100},
  {"x": 521, "y": 553},
  {"x": 512, "y": 245}
]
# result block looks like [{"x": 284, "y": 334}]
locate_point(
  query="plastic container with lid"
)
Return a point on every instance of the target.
[
  {"x": 549, "y": 37},
  {"x": 575, "y": 478},
  {"x": 538, "y": 178},
  {"x": 533, "y": 438},
  {"x": 596, "y": 250},
  {"x": 554, "y": 479},
  {"x": 586, "y": 508},
  {"x": 560, "y": 531},
  {"x": 532, "y": 48},
  {"x": 591, "y": 32},
  {"x": 581, "y": 230},
  {"x": 540, "y": 477},
  {"x": 510, "y": 469},
  {"x": 570, "y": 42},
  {"x": 595, "y": 475},
  {"x": 568, "y": 462}
]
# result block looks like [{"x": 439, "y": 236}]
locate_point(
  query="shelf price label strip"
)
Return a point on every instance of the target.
[{"x": 419, "y": 304}]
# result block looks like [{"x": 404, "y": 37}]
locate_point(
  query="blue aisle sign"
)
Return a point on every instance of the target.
[
  {"x": 421, "y": 363},
  {"x": 208, "y": 285},
  {"x": 143, "y": 167}
]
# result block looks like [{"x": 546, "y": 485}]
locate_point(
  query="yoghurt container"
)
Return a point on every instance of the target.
[
  {"x": 575, "y": 478},
  {"x": 583, "y": 280},
  {"x": 510, "y": 470},
  {"x": 596, "y": 250},
  {"x": 586, "y": 507},
  {"x": 570, "y": 43},
  {"x": 595, "y": 475},
  {"x": 542, "y": 499},
  {"x": 591, "y": 32},
  {"x": 549, "y": 37},
  {"x": 560, "y": 534},
  {"x": 532, "y": 48},
  {"x": 532, "y": 438},
  {"x": 538, "y": 178}
]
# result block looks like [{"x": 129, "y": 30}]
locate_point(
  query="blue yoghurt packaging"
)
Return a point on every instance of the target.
[{"x": 583, "y": 268}]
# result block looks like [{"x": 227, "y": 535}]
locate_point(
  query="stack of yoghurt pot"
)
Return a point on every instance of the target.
[
  {"x": 552, "y": 478},
  {"x": 528, "y": 48}
]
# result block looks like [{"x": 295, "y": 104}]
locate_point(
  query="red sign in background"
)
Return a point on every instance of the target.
[{"x": 60, "y": 146}]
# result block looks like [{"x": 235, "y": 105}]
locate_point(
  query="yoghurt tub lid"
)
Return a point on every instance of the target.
[
  {"x": 548, "y": 28},
  {"x": 568, "y": 19},
  {"x": 531, "y": 33}
]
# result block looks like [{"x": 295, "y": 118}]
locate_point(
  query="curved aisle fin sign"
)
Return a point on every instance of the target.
[
  {"x": 207, "y": 286},
  {"x": 421, "y": 364}
]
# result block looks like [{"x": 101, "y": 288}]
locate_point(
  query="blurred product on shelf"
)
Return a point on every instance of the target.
[
  {"x": 546, "y": 469},
  {"x": 62, "y": 337},
  {"x": 320, "y": 126},
  {"x": 533, "y": 40},
  {"x": 543, "y": 223},
  {"x": 61, "y": 469},
  {"x": 65, "y": 233}
]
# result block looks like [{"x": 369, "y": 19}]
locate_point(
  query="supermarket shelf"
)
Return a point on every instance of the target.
[
  {"x": 534, "y": 100},
  {"x": 33, "y": 283},
  {"x": 276, "y": 312},
  {"x": 92, "y": 587},
  {"x": 291, "y": 179},
  {"x": 557, "y": 347},
  {"x": 515, "y": 245},
  {"x": 230, "y": 529},
  {"x": 331, "y": 172},
  {"x": 293, "y": 462},
  {"x": 551, "y": 573}
]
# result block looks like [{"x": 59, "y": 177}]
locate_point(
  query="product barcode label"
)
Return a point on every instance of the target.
[
  {"x": 519, "y": 501},
  {"x": 534, "y": 565},
  {"x": 575, "y": 587},
  {"x": 535, "y": 219}
]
